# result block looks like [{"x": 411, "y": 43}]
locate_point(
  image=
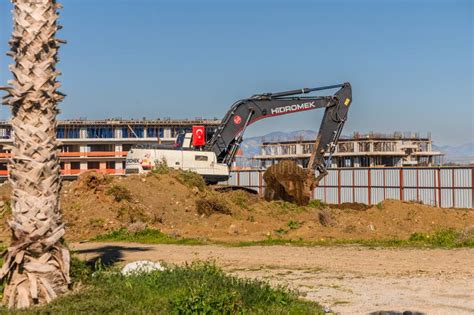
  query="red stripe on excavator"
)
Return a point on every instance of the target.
[{"x": 273, "y": 115}]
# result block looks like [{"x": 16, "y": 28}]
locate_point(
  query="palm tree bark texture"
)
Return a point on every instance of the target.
[{"x": 36, "y": 265}]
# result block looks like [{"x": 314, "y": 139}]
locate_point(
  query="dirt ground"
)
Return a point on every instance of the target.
[
  {"x": 96, "y": 204},
  {"x": 344, "y": 279}
]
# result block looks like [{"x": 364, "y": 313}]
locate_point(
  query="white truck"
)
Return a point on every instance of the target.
[{"x": 212, "y": 159}]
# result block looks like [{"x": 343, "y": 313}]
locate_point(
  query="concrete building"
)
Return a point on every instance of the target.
[
  {"x": 370, "y": 150},
  {"x": 103, "y": 144}
]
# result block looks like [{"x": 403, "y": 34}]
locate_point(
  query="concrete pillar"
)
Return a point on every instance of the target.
[
  {"x": 299, "y": 148},
  {"x": 145, "y": 132},
  {"x": 118, "y": 150},
  {"x": 83, "y": 166},
  {"x": 118, "y": 133},
  {"x": 83, "y": 133},
  {"x": 167, "y": 133},
  {"x": 67, "y": 168}
]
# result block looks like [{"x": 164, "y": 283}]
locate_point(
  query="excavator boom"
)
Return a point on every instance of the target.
[{"x": 228, "y": 136}]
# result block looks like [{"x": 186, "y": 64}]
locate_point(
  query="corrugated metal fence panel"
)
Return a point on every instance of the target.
[
  {"x": 232, "y": 179},
  {"x": 346, "y": 194},
  {"x": 427, "y": 196},
  {"x": 319, "y": 194},
  {"x": 376, "y": 195},
  {"x": 445, "y": 187},
  {"x": 426, "y": 178},
  {"x": 392, "y": 177},
  {"x": 377, "y": 177},
  {"x": 331, "y": 178},
  {"x": 446, "y": 176},
  {"x": 446, "y": 198},
  {"x": 392, "y": 193},
  {"x": 361, "y": 177},
  {"x": 346, "y": 177},
  {"x": 463, "y": 197},
  {"x": 409, "y": 178},
  {"x": 361, "y": 195},
  {"x": 255, "y": 178},
  {"x": 244, "y": 179},
  {"x": 462, "y": 178},
  {"x": 331, "y": 195},
  {"x": 409, "y": 194}
]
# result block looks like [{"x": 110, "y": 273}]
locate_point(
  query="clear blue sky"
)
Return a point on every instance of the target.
[{"x": 410, "y": 62}]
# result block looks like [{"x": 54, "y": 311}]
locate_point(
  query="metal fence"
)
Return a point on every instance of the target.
[{"x": 437, "y": 186}]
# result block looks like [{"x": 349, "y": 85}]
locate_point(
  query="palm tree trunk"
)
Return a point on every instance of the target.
[{"x": 37, "y": 262}]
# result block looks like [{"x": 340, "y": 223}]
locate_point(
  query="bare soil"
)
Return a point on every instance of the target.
[
  {"x": 344, "y": 279},
  {"x": 96, "y": 204}
]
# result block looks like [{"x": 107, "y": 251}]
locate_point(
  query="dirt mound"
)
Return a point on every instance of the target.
[
  {"x": 289, "y": 182},
  {"x": 96, "y": 204},
  {"x": 351, "y": 206}
]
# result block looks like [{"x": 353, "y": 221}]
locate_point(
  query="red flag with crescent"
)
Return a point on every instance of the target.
[{"x": 199, "y": 136}]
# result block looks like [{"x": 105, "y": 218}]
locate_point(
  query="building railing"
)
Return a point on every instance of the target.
[
  {"x": 82, "y": 154},
  {"x": 76, "y": 172}
]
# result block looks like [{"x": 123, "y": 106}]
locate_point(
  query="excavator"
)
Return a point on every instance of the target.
[{"x": 213, "y": 158}]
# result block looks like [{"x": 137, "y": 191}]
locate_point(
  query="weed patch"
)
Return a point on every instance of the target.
[
  {"x": 212, "y": 202},
  {"x": 316, "y": 203},
  {"x": 191, "y": 179},
  {"x": 119, "y": 193},
  {"x": 146, "y": 236},
  {"x": 199, "y": 288}
]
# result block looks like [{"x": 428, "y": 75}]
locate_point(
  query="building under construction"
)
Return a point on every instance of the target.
[
  {"x": 103, "y": 144},
  {"x": 359, "y": 150}
]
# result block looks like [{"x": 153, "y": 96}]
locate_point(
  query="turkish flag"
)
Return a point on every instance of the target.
[{"x": 199, "y": 136}]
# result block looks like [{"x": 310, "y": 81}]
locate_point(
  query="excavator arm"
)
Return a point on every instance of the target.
[{"x": 228, "y": 136}]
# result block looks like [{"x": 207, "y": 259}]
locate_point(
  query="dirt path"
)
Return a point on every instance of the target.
[{"x": 347, "y": 280}]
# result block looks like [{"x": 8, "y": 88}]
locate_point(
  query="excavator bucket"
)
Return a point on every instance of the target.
[{"x": 289, "y": 182}]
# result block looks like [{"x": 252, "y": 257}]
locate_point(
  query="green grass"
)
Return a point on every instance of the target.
[
  {"x": 316, "y": 203},
  {"x": 447, "y": 238},
  {"x": 146, "y": 236},
  {"x": 200, "y": 288}
]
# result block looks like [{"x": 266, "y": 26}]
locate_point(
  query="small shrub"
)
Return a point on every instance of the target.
[
  {"x": 212, "y": 203},
  {"x": 80, "y": 272},
  {"x": 119, "y": 193},
  {"x": 7, "y": 208},
  {"x": 199, "y": 300},
  {"x": 161, "y": 167},
  {"x": 293, "y": 225},
  {"x": 281, "y": 231},
  {"x": 379, "y": 206},
  {"x": 316, "y": 203},
  {"x": 131, "y": 214},
  {"x": 191, "y": 179},
  {"x": 240, "y": 198}
]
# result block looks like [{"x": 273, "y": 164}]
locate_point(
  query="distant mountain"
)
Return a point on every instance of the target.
[
  {"x": 251, "y": 146},
  {"x": 463, "y": 154}
]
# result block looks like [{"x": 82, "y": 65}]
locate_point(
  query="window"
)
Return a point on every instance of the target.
[{"x": 200, "y": 158}]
